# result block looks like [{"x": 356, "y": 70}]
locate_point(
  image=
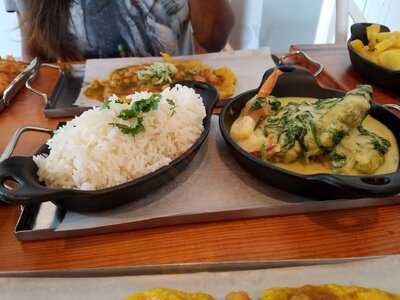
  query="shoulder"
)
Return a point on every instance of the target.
[{"x": 14, "y": 5}]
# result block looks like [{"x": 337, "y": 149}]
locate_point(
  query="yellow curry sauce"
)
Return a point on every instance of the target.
[
  {"x": 327, "y": 292},
  {"x": 352, "y": 143}
]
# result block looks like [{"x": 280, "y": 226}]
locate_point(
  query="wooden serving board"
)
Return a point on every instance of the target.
[{"x": 213, "y": 187}]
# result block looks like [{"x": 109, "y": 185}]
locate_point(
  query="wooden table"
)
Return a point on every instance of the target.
[{"x": 357, "y": 232}]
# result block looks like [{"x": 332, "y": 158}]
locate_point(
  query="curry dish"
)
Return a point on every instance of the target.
[
  {"x": 159, "y": 75},
  {"x": 311, "y": 136},
  {"x": 168, "y": 294},
  {"x": 327, "y": 292},
  {"x": 308, "y": 292},
  {"x": 9, "y": 69}
]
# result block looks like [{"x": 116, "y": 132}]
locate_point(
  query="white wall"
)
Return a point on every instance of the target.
[
  {"x": 9, "y": 33},
  {"x": 385, "y": 12},
  {"x": 274, "y": 23}
]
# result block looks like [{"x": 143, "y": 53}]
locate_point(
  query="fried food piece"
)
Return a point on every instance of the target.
[
  {"x": 226, "y": 88},
  {"x": 383, "y": 47},
  {"x": 9, "y": 69},
  {"x": 168, "y": 294},
  {"x": 240, "y": 295},
  {"x": 327, "y": 292},
  {"x": 371, "y": 31},
  {"x": 390, "y": 59}
]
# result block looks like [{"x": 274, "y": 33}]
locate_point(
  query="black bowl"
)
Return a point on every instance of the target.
[
  {"x": 371, "y": 72},
  {"x": 300, "y": 83},
  {"x": 29, "y": 190}
]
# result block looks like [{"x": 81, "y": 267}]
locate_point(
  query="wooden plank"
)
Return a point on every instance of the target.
[{"x": 358, "y": 232}]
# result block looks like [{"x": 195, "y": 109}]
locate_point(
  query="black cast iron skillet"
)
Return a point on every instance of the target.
[
  {"x": 371, "y": 72},
  {"x": 296, "y": 82},
  {"x": 29, "y": 190}
]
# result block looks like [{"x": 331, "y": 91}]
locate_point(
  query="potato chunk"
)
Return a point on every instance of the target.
[{"x": 242, "y": 128}]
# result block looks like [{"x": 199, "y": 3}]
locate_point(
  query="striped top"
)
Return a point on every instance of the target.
[{"x": 114, "y": 28}]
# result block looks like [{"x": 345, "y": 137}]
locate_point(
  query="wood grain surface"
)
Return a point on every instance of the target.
[{"x": 346, "y": 233}]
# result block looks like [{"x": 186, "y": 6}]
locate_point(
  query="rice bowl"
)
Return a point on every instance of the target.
[{"x": 89, "y": 153}]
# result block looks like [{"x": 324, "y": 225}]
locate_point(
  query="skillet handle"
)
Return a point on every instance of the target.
[
  {"x": 18, "y": 174},
  {"x": 19, "y": 185},
  {"x": 28, "y": 83},
  {"x": 8, "y": 150},
  {"x": 363, "y": 186},
  {"x": 298, "y": 53}
]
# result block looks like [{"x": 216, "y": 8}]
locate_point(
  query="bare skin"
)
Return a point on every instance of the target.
[{"x": 212, "y": 22}]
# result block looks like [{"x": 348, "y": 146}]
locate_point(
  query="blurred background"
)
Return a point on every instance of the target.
[{"x": 273, "y": 23}]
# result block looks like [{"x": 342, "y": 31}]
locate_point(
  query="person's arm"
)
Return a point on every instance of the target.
[
  {"x": 212, "y": 22},
  {"x": 28, "y": 53}
]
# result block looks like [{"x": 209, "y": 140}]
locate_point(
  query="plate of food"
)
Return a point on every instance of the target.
[
  {"x": 116, "y": 153},
  {"x": 310, "y": 279},
  {"x": 13, "y": 75},
  {"x": 156, "y": 76},
  {"x": 322, "y": 143},
  {"x": 375, "y": 54},
  {"x": 307, "y": 292},
  {"x": 229, "y": 72}
]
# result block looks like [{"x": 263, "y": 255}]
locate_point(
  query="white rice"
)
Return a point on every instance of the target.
[{"x": 89, "y": 154}]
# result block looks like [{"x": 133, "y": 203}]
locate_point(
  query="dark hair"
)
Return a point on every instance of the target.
[{"x": 47, "y": 28}]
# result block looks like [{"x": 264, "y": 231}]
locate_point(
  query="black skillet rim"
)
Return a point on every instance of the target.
[
  {"x": 266, "y": 164},
  {"x": 159, "y": 172}
]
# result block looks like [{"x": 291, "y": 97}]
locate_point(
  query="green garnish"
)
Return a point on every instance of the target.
[
  {"x": 337, "y": 135},
  {"x": 172, "y": 106},
  {"x": 327, "y": 104},
  {"x": 106, "y": 104},
  {"x": 141, "y": 106},
  {"x": 274, "y": 103},
  {"x": 158, "y": 72},
  {"x": 338, "y": 160},
  {"x": 135, "y": 114},
  {"x": 257, "y": 104},
  {"x": 379, "y": 144},
  {"x": 134, "y": 128},
  {"x": 363, "y": 90},
  {"x": 262, "y": 152}
]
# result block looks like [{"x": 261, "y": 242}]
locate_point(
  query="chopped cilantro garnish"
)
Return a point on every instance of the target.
[
  {"x": 338, "y": 160},
  {"x": 160, "y": 72},
  {"x": 262, "y": 152},
  {"x": 337, "y": 135},
  {"x": 379, "y": 144},
  {"x": 135, "y": 114},
  {"x": 172, "y": 106},
  {"x": 257, "y": 104}
]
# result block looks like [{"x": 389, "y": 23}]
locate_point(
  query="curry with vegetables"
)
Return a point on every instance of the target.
[
  {"x": 311, "y": 136},
  {"x": 327, "y": 292},
  {"x": 307, "y": 292},
  {"x": 159, "y": 75}
]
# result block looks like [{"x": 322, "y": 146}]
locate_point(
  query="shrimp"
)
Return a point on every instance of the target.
[
  {"x": 264, "y": 91},
  {"x": 269, "y": 84}
]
